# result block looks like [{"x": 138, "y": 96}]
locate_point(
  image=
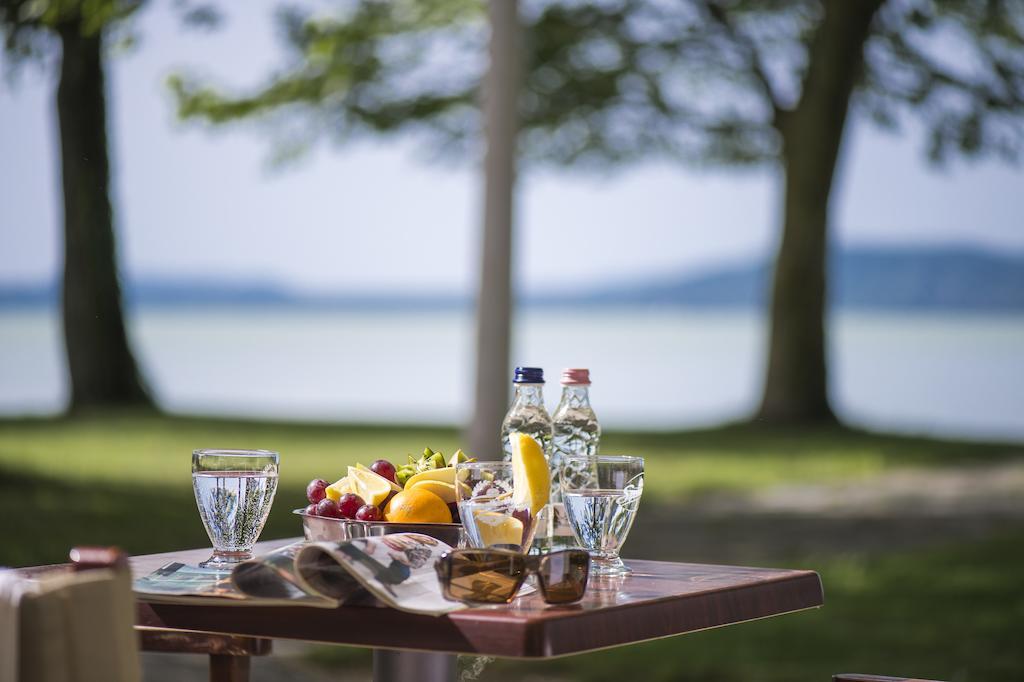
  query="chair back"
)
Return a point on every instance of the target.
[{"x": 76, "y": 624}]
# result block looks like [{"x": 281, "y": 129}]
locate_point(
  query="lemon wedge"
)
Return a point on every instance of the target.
[
  {"x": 338, "y": 488},
  {"x": 446, "y": 491},
  {"x": 373, "y": 488},
  {"x": 496, "y": 528},
  {"x": 531, "y": 478},
  {"x": 394, "y": 486},
  {"x": 444, "y": 474}
]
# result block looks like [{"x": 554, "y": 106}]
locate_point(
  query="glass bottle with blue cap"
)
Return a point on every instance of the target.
[{"x": 527, "y": 414}]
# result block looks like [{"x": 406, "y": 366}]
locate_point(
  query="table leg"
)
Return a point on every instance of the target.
[
  {"x": 390, "y": 665},
  {"x": 229, "y": 668}
]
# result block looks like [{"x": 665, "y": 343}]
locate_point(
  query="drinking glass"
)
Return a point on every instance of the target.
[
  {"x": 489, "y": 515},
  {"x": 602, "y": 493},
  {"x": 234, "y": 490}
]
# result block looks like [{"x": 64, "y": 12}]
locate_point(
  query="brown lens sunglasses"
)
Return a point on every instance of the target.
[{"x": 494, "y": 576}]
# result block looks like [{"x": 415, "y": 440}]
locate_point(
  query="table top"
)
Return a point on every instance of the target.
[{"x": 658, "y": 600}]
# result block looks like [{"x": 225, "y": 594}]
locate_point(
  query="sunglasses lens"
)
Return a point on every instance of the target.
[
  {"x": 563, "y": 576},
  {"x": 483, "y": 576}
]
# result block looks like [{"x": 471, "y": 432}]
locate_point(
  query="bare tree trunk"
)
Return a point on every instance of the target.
[
  {"x": 494, "y": 302},
  {"x": 102, "y": 369},
  {"x": 796, "y": 387}
]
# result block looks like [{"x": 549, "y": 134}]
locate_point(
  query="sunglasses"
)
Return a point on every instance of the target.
[{"x": 494, "y": 576}]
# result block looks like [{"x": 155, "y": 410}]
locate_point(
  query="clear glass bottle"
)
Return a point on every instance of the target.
[
  {"x": 527, "y": 413},
  {"x": 575, "y": 432}
]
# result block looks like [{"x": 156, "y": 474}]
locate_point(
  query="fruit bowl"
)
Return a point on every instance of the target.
[{"x": 322, "y": 529}]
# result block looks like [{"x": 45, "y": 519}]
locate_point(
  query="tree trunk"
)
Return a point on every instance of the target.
[
  {"x": 100, "y": 363},
  {"x": 796, "y": 386},
  {"x": 494, "y": 302}
]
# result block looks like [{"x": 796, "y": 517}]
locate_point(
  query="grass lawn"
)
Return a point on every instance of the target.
[
  {"x": 124, "y": 479},
  {"x": 954, "y": 612}
]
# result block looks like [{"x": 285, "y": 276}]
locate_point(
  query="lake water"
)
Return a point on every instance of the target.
[{"x": 940, "y": 374}]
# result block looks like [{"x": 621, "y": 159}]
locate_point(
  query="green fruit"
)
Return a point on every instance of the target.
[
  {"x": 437, "y": 461},
  {"x": 458, "y": 458},
  {"x": 403, "y": 475},
  {"x": 427, "y": 452}
]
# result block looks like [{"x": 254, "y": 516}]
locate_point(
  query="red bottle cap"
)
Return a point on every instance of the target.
[{"x": 576, "y": 377}]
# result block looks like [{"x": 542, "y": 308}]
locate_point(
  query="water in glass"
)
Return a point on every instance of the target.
[
  {"x": 234, "y": 491},
  {"x": 234, "y": 506},
  {"x": 602, "y": 494}
]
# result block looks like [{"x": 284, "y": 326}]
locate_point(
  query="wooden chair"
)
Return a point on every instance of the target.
[
  {"x": 77, "y": 625},
  {"x": 229, "y": 655}
]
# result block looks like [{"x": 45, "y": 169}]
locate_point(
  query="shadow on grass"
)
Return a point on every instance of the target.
[{"x": 953, "y": 613}]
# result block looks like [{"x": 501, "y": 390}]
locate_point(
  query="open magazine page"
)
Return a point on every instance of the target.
[
  {"x": 180, "y": 583},
  {"x": 398, "y": 569},
  {"x": 266, "y": 580},
  {"x": 274, "y": 576}
]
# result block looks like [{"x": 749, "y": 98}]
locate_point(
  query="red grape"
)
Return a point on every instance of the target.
[
  {"x": 524, "y": 517},
  {"x": 349, "y": 504},
  {"x": 316, "y": 490},
  {"x": 368, "y": 512},
  {"x": 310, "y": 510},
  {"x": 384, "y": 468},
  {"x": 328, "y": 508}
]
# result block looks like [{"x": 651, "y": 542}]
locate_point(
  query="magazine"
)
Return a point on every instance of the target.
[{"x": 396, "y": 569}]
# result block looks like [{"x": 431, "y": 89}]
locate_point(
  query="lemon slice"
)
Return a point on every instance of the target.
[
  {"x": 444, "y": 474},
  {"x": 338, "y": 488},
  {"x": 531, "y": 479},
  {"x": 496, "y": 528},
  {"x": 394, "y": 486},
  {"x": 446, "y": 491},
  {"x": 373, "y": 488}
]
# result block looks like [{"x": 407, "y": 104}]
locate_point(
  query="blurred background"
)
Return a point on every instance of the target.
[{"x": 785, "y": 238}]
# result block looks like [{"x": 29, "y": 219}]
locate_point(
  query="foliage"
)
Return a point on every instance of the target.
[
  {"x": 700, "y": 81},
  {"x": 26, "y": 24}
]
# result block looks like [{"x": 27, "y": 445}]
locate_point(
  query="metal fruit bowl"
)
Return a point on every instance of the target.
[{"x": 321, "y": 529}]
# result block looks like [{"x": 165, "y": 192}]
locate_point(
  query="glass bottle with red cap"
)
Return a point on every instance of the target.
[{"x": 575, "y": 432}]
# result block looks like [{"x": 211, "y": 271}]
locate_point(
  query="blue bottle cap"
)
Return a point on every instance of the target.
[{"x": 529, "y": 375}]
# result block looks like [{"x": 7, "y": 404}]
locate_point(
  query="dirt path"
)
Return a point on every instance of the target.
[{"x": 904, "y": 509}]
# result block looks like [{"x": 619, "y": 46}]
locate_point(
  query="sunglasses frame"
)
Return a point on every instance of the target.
[{"x": 531, "y": 564}]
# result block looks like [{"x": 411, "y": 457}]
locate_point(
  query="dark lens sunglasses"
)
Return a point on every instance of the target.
[{"x": 494, "y": 576}]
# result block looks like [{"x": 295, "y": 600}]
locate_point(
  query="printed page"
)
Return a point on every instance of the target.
[
  {"x": 263, "y": 581},
  {"x": 398, "y": 569}
]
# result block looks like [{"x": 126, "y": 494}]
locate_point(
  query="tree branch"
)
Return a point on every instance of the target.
[{"x": 720, "y": 17}]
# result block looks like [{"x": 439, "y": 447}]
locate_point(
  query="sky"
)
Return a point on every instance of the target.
[{"x": 375, "y": 216}]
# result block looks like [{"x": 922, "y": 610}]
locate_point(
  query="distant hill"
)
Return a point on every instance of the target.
[
  {"x": 958, "y": 279},
  {"x": 860, "y": 278}
]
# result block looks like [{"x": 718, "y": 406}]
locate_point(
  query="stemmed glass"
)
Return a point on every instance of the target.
[
  {"x": 489, "y": 516},
  {"x": 602, "y": 493},
  {"x": 234, "y": 491}
]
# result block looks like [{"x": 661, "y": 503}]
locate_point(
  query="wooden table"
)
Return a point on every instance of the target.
[{"x": 659, "y": 599}]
